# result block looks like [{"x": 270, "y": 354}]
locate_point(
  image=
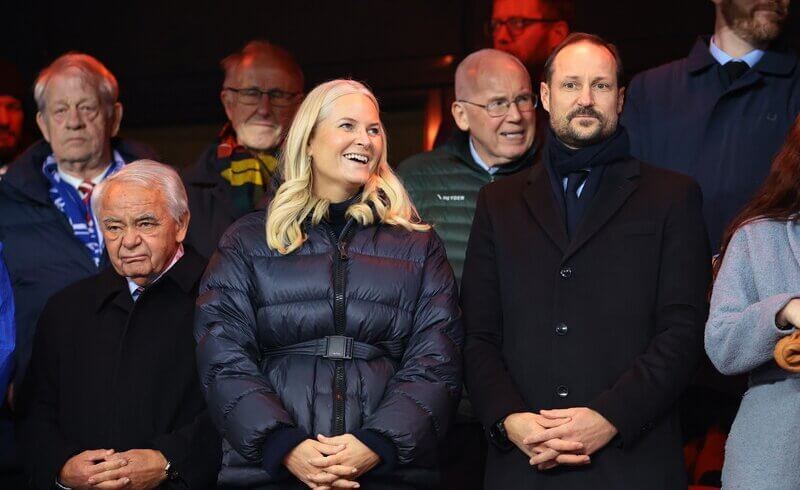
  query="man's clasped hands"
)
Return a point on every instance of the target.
[{"x": 566, "y": 436}]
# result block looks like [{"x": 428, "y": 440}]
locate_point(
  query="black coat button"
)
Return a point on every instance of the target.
[
  {"x": 562, "y": 329},
  {"x": 566, "y": 272},
  {"x": 562, "y": 391}
]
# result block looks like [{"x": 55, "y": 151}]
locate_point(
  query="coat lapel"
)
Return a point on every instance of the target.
[
  {"x": 617, "y": 184},
  {"x": 539, "y": 197}
]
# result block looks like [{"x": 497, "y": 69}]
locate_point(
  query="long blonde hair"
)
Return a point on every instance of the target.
[{"x": 294, "y": 200}]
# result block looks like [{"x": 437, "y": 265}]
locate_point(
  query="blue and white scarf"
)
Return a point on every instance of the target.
[{"x": 67, "y": 199}]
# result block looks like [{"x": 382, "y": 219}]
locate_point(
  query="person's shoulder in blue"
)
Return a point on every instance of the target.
[{"x": 7, "y": 330}]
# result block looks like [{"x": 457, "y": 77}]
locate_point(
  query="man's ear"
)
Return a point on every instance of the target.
[
  {"x": 621, "y": 100},
  {"x": 227, "y": 102},
  {"x": 460, "y": 116},
  {"x": 544, "y": 91},
  {"x": 183, "y": 227},
  {"x": 43, "y": 126},
  {"x": 116, "y": 119}
]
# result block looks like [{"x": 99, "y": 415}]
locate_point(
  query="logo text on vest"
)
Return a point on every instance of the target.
[{"x": 450, "y": 198}]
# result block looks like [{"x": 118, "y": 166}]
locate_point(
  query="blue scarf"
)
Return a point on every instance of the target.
[{"x": 68, "y": 201}]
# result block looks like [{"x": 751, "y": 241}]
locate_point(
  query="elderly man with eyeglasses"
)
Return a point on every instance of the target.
[
  {"x": 495, "y": 112},
  {"x": 530, "y": 29},
  {"x": 262, "y": 89}
]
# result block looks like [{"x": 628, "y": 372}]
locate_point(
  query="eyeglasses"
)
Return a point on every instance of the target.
[
  {"x": 252, "y": 96},
  {"x": 500, "y": 107},
  {"x": 517, "y": 25}
]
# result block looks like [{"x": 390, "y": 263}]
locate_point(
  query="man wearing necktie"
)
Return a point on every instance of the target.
[
  {"x": 112, "y": 398},
  {"x": 719, "y": 115},
  {"x": 49, "y": 236},
  {"x": 584, "y": 297}
]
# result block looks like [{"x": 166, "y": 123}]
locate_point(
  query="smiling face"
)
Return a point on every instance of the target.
[
  {"x": 582, "y": 96},
  {"x": 77, "y": 125},
  {"x": 498, "y": 140},
  {"x": 261, "y": 126},
  {"x": 756, "y": 21},
  {"x": 345, "y": 147},
  {"x": 140, "y": 234}
]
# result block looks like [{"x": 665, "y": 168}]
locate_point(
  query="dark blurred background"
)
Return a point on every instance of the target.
[{"x": 166, "y": 54}]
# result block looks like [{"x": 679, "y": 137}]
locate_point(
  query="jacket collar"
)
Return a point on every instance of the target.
[
  {"x": 205, "y": 172},
  {"x": 617, "y": 184},
  {"x": 114, "y": 288},
  {"x": 458, "y": 146},
  {"x": 774, "y": 62},
  {"x": 25, "y": 173}
]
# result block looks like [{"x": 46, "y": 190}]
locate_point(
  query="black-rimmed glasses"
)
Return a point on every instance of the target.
[
  {"x": 517, "y": 25},
  {"x": 500, "y": 107},
  {"x": 252, "y": 96}
]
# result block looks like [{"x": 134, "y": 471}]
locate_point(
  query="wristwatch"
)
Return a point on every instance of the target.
[
  {"x": 172, "y": 473},
  {"x": 499, "y": 436}
]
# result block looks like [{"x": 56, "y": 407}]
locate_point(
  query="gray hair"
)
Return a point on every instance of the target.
[
  {"x": 90, "y": 70},
  {"x": 263, "y": 50},
  {"x": 149, "y": 174}
]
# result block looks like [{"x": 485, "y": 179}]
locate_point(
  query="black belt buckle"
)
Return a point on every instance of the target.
[{"x": 338, "y": 347}]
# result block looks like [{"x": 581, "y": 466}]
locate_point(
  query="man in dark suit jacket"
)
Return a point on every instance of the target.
[
  {"x": 113, "y": 396},
  {"x": 584, "y": 298},
  {"x": 721, "y": 114}
]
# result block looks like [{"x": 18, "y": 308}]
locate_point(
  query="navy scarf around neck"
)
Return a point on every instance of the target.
[
  {"x": 581, "y": 165},
  {"x": 564, "y": 160}
]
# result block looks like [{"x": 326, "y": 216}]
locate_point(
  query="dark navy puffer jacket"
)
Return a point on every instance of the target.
[{"x": 398, "y": 286}]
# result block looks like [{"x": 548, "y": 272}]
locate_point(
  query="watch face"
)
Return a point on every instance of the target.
[{"x": 498, "y": 432}]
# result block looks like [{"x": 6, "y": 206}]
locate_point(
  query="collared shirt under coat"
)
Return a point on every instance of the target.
[{"x": 684, "y": 117}]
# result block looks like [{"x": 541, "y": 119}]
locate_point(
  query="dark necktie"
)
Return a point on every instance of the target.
[
  {"x": 735, "y": 69},
  {"x": 573, "y": 203}
]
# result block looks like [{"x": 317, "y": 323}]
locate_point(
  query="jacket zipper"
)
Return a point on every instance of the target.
[{"x": 339, "y": 285}]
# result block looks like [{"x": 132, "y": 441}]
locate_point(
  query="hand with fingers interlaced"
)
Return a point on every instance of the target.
[
  {"x": 298, "y": 461},
  {"x": 583, "y": 425},
  {"x": 89, "y": 468},
  {"x": 341, "y": 470},
  {"x": 522, "y": 426}
]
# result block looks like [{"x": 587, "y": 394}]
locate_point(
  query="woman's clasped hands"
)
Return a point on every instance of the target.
[{"x": 331, "y": 462}]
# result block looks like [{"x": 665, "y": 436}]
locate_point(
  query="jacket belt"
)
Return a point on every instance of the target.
[{"x": 338, "y": 347}]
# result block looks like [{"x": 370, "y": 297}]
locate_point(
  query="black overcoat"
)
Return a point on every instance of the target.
[
  {"x": 612, "y": 320},
  {"x": 108, "y": 374}
]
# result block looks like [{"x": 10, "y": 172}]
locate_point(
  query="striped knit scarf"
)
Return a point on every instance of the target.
[
  {"x": 68, "y": 201},
  {"x": 249, "y": 173}
]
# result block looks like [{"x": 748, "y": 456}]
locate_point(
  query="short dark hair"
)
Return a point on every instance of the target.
[{"x": 581, "y": 37}]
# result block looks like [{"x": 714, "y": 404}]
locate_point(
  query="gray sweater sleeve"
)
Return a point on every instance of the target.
[{"x": 741, "y": 332}]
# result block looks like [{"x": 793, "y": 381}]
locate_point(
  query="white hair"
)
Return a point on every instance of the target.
[
  {"x": 89, "y": 69},
  {"x": 152, "y": 175}
]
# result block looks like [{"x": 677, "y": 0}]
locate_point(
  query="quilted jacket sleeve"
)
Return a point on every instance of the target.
[
  {"x": 421, "y": 397},
  {"x": 241, "y": 401}
]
